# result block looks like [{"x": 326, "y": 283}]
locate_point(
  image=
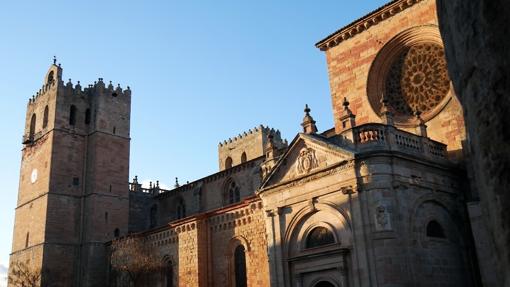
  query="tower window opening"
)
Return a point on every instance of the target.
[
  {"x": 434, "y": 229},
  {"x": 153, "y": 215},
  {"x": 181, "y": 209},
  {"x": 228, "y": 162},
  {"x": 72, "y": 115},
  {"x": 114, "y": 130},
  {"x": 45, "y": 118},
  {"x": 50, "y": 78},
  {"x": 87, "y": 116},
  {"x": 76, "y": 181},
  {"x": 32, "y": 126},
  {"x": 27, "y": 239},
  {"x": 116, "y": 232},
  {"x": 243, "y": 157},
  {"x": 106, "y": 217}
]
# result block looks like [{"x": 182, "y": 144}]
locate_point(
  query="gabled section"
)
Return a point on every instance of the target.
[{"x": 306, "y": 154}]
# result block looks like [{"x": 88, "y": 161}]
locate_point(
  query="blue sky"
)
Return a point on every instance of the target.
[{"x": 200, "y": 72}]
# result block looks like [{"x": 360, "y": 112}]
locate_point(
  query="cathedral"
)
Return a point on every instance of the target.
[{"x": 380, "y": 199}]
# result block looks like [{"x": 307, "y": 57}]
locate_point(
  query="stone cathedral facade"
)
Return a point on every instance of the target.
[{"x": 380, "y": 199}]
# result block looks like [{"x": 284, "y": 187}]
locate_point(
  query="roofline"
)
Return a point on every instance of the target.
[{"x": 373, "y": 18}]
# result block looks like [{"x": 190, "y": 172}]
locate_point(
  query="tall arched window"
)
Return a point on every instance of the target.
[
  {"x": 27, "y": 239},
  {"x": 319, "y": 236},
  {"x": 153, "y": 216},
  {"x": 324, "y": 284},
  {"x": 169, "y": 274},
  {"x": 72, "y": 115},
  {"x": 87, "y": 116},
  {"x": 50, "y": 78},
  {"x": 243, "y": 157},
  {"x": 240, "y": 267},
  {"x": 228, "y": 162},
  {"x": 233, "y": 192},
  {"x": 434, "y": 229},
  {"x": 180, "y": 209},
  {"x": 32, "y": 127},
  {"x": 45, "y": 118}
]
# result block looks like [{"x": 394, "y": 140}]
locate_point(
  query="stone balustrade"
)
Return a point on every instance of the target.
[{"x": 381, "y": 137}]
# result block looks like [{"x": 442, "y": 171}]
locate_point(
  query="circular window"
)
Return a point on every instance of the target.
[{"x": 410, "y": 72}]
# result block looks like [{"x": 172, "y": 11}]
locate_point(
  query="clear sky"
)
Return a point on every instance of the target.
[{"x": 200, "y": 72}]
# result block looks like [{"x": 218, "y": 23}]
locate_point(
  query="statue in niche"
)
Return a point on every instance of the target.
[{"x": 382, "y": 218}]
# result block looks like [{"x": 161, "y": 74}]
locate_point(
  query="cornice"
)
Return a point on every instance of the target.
[{"x": 373, "y": 18}]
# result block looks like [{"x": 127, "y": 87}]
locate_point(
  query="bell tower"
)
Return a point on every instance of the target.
[{"x": 73, "y": 189}]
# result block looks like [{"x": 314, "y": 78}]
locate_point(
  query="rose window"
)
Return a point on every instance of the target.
[{"x": 417, "y": 80}]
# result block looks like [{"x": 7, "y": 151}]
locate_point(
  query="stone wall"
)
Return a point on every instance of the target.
[{"x": 353, "y": 52}]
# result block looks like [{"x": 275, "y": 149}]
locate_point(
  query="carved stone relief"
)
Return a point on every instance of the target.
[{"x": 306, "y": 160}]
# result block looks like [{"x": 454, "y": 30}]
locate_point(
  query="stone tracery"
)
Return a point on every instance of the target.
[{"x": 418, "y": 79}]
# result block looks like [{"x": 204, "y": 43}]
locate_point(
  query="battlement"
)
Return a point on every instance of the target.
[
  {"x": 96, "y": 107},
  {"x": 97, "y": 89},
  {"x": 247, "y": 146},
  {"x": 246, "y": 135}
]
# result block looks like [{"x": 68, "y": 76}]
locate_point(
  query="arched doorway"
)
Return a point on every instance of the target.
[{"x": 324, "y": 284}]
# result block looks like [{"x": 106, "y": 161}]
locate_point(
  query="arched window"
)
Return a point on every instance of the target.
[
  {"x": 153, "y": 216},
  {"x": 116, "y": 232},
  {"x": 228, "y": 162},
  {"x": 72, "y": 115},
  {"x": 324, "y": 284},
  {"x": 169, "y": 274},
  {"x": 233, "y": 192},
  {"x": 319, "y": 236},
  {"x": 434, "y": 229},
  {"x": 45, "y": 118},
  {"x": 50, "y": 78},
  {"x": 180, "y": 211},
  {"x": 240, "y": 267},
  {"x": 32, "y": 126},
  {"x": 243, "y": 157},
  {"x": 87, "y": 116}
]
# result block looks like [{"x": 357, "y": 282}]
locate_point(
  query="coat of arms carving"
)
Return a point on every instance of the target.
[{"x": 306, "y": 160}]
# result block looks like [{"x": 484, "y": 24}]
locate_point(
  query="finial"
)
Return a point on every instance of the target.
[
  {"x": 135, "y": 180},
  {"x": 150, "y": 184},
  {"x": 387, "y": 115},
  {"x": 59, "y": 65},
  {"x": 176, "y": 182},
  {"x": 422, "y": 127},
  {"x": 345, "y": 103},
  {"x": 54, "y": 60},
  {"x": 308, "y": 123},
  {"x": 157, "y": 183},
  {"x": 307, "y": 110}
]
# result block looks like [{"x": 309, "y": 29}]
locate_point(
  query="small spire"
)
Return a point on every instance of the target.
[
  {"x": 387, "y": 115},
  {"x": 422, "y": 127},
  {"x": 308, "y": 124},
  {"x": 157, "y": 183},
  {"x": 176, "y": 182},
  {"x": 270, "y": 148},
  {"x": 307, "y": 110},
  {"x": 54, "y": 60},
  {"x": 345, "y": 103},
  {"x": 347, "y": 118}
]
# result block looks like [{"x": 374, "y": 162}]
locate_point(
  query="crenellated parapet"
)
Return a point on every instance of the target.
[{"x": 247, "y": 146}]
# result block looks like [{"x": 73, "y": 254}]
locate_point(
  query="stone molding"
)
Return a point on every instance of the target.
[{"x": 362, "y": 24}]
